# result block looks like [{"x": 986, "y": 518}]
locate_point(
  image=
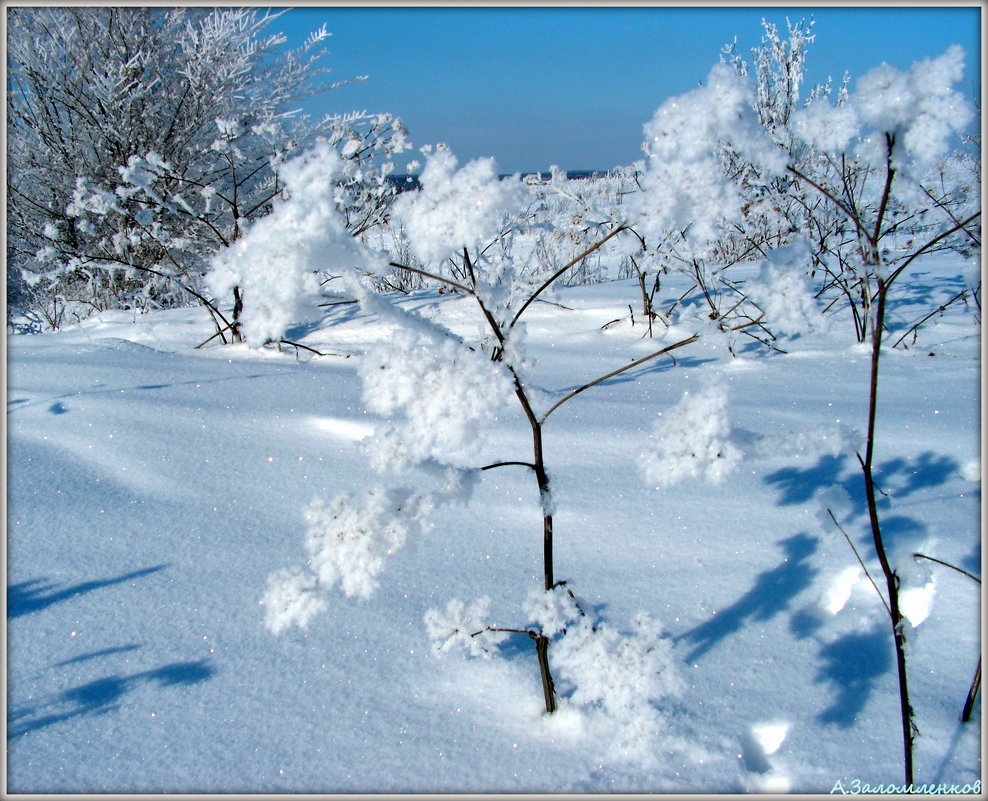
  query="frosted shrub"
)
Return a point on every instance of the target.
[
  {"x": 617, "y": 679},
  {"x": 173, "y": 123},
  {"x": 436, "y": 395},
  {"x": 456, "y": 209},
  {"x": 277, "y": 262},
  {"x": 691, "y": 440},
  {"x": 439, "y": 392}
]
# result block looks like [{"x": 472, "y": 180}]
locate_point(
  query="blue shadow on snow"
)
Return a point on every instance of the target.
[
  {"x": 853, "y": 663},
  {"x": 35, "y": 594},
  {"x": 771, "y": 594},
  {"x": 102, "y": 695}
]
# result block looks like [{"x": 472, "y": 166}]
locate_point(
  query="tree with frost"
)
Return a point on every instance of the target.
[
  {"x": 141, "y": 141},
  {"x": 438, "y": 394},
  {"x": 873, "y": 160}
]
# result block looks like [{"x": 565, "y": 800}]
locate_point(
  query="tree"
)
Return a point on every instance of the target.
[{"x": 140, "y": 141}]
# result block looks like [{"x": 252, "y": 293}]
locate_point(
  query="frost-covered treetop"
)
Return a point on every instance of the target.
[
  {"x": 920, "y": 108},
  {"x": 684, "y": 182},
  {"x": 457, "y": 208},
  {"x": 277, "y": 261}
]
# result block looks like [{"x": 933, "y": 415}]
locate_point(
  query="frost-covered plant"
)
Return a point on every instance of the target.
[
  {"x": 502, "y": 294},
  {"x": 691, "y": 440},
  {"x": 904, "y": 121},
  {"x": 869, "y": 165},
  {"x": 134, "y": 154},
  {"x": 437, "y": 390}
]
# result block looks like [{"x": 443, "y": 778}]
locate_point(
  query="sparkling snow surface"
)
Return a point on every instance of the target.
[{"x": 154, "y": 488}]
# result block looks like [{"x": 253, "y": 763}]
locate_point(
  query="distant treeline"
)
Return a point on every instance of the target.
[{"x": 410, "y": 182}]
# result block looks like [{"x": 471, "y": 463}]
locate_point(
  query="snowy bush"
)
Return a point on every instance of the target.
[
  {"x": 134, "y": 155},
  {"x": 456, "y": 209},
  {"x": 691, "y": 440},
  {"x": 277, "y": 263}
]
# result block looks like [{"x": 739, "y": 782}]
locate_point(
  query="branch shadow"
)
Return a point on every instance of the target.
[
  {"x": 102, "y": 695},
  {"x": 657, "y": 365},
  {"x": 771, "y": 593},
  {"x": 853, "y": 664},
  {"x": 899, "y": 477},
  {"x": 799, "y": 485},
  {"x": 37, "y": 594}
]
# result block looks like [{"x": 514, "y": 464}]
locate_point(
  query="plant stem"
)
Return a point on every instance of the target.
[
  {"x": 891, "y": 578},
  {"x": 972, "y": 694},
  {"x": 548, "y": 686}
]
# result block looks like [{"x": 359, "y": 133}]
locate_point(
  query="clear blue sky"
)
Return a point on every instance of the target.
[{"x": 573, "y": 86}]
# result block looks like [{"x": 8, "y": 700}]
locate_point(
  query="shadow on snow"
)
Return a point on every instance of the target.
[
  {"x": 102, "y": 695},
  {"x": 853, "y": 664},
  {"x": 35, "y": 595},
  {"x": 771, "y": 594}
]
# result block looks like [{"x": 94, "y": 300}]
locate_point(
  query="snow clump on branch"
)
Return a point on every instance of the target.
[
  {"x": 691, "y": 441},
  {"x": 348, "y": 542},
  {"x": 276, "y": 263},
  {"x": 437, "y": 395},
  {"x": 684, "y": 184},
  {"x": 783, "y": 291},
  {"x": 457, "y": 209},
  {"x": 919, "y": 108}
]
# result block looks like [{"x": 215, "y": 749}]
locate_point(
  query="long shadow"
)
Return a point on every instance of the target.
[
  {"x": 799, "y": 485},
  {"x": 771, "y": 594},
  {"x": 35, "y": 594},
  {"x": 121, "y": 649},
  {"x": 853, "y": 663},
  {"x": 102, "y": 695},
  {"x": 899, "y": 477},
  {"x": 56, "y": 407}
]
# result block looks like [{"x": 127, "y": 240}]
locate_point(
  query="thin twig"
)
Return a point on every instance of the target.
[
  {"x": 860, "y": 561},
  {"x": 620, "y": 370},
  {"x": 506, "y": 464},
  {"x": 312, "y": 350},
  {"x": 433, "y": 276},
  {"x": 947, "y": 564},
  {"x": 559, "y": 272},
  {"x": 219, "y": 332}
]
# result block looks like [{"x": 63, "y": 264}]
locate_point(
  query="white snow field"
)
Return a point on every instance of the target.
[{"x": 154, "y": 488}]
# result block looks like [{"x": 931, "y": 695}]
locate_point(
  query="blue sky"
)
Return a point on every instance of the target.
[{"x": 572, "y": 86}]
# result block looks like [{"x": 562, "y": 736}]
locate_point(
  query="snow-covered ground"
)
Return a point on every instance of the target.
[{"x": 153, "y": 489}]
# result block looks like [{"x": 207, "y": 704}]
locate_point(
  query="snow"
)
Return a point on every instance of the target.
[
  {"x": 154, "y": 490},
  {"x": 277, "y": 262},
  {"x": 456, "y": 208}
]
